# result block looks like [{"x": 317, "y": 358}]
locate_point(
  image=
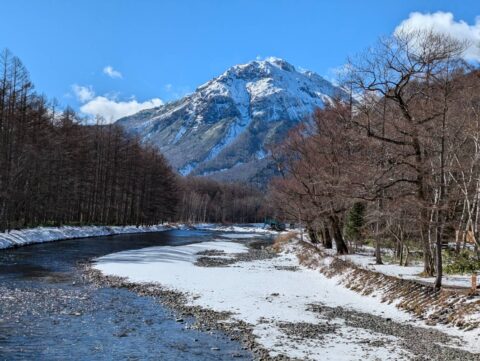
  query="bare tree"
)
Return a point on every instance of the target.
[{"x": 405, "y": 87}]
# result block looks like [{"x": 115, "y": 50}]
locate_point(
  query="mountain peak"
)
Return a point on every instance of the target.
[
  {"x": 268, "y": 67},
  {"x": 281, "y": 63},
  {"x": 226, "y": 125},
  {"x": 268, "y": 62}
]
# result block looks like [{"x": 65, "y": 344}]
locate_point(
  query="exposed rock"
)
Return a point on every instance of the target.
[{"x": 224, "y": 127}]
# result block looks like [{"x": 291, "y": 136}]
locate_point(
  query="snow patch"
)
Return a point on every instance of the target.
[
  {"x": 24, "y": 237},
  {"x": 367, "y": 261},
  {"x": 187, "y": 169},
  {"x": 180, "y": 134}
]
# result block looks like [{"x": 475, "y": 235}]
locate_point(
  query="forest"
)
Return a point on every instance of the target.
[
  {"x": 57, "y": 169},
  {"x": 398, "y": 165},
  {"x": 206, "y": 200}
]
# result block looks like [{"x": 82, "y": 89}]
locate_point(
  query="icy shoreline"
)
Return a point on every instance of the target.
[
  {"x": 23, "y": 237},
  {"x": 290, "y": 310}
]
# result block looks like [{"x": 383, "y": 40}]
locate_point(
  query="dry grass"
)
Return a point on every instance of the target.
[{"x": 282, "y": 240}]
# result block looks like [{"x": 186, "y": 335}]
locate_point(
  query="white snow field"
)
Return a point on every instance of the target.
[
  {"x": 266, "y": 293},
  {"x": 24, "y": 237},
  {"x": 246, "y": 230}
]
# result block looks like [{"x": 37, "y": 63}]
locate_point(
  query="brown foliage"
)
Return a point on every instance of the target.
[
  {"x": 206, "y": 200},
  {"x": 408, "y": 146}
]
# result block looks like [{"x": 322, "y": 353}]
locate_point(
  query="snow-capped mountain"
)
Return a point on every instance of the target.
[{"x": 224, "y": 127}]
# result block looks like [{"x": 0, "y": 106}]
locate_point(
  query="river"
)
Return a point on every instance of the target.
[{"x": 49, "y": 312}]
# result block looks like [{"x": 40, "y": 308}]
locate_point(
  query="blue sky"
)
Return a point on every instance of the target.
[{"x": 163, "y": 49}]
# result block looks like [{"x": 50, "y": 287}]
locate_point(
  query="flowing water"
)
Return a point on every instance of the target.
[{"x": 47, "y": 312}]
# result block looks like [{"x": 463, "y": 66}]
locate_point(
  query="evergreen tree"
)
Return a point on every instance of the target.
[{"x": 355, "y": 222}]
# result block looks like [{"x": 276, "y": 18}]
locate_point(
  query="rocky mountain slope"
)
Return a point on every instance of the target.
[{"x": 224, "y": 127}]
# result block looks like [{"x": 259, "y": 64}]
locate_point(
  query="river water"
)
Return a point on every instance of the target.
[{"x": 47, "y": 311}]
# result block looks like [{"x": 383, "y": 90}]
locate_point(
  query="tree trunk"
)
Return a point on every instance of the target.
[
  {"x": 378, "y": 251},
  {"x": 428, "y": 267},
  {"x": 312, "y": 234},
  {"x": 337, "y": 235},
  {"x": 438, "y": 259},
  {"x": 327, "y": 238}
]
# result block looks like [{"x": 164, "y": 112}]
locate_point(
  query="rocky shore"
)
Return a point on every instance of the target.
[{"x": 205, "y": 319}]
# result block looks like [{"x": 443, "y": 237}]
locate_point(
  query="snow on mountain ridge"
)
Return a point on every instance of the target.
[{"x": 230, "y": 119}]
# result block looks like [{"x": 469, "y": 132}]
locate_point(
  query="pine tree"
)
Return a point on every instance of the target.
[{"x": 355, "y": 222}]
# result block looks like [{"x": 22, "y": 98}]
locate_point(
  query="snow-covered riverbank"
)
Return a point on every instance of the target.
[
  {"x": 292, "y": 310},
  {"x": 23, "y": 237}
]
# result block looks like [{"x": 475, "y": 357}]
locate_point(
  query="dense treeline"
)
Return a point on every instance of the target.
[
  {"x": 206, "y": 200},
  {"x": 400, "y": 164},
  {"x": 53, "y": 170}
]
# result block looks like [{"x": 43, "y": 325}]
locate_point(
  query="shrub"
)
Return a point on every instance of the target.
[
  {"x": 463, "y": 263},
  {"x": 283, "y": 239}
]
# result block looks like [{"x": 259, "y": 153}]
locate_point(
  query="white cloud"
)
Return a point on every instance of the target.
[
  {"x": 111, "y": 110},
  {"x": 444, "y": 22},
  {"x": 83, "y": 93},
  {"x": 112, "y": 73},
  {"x": 108, "y": 106}
]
